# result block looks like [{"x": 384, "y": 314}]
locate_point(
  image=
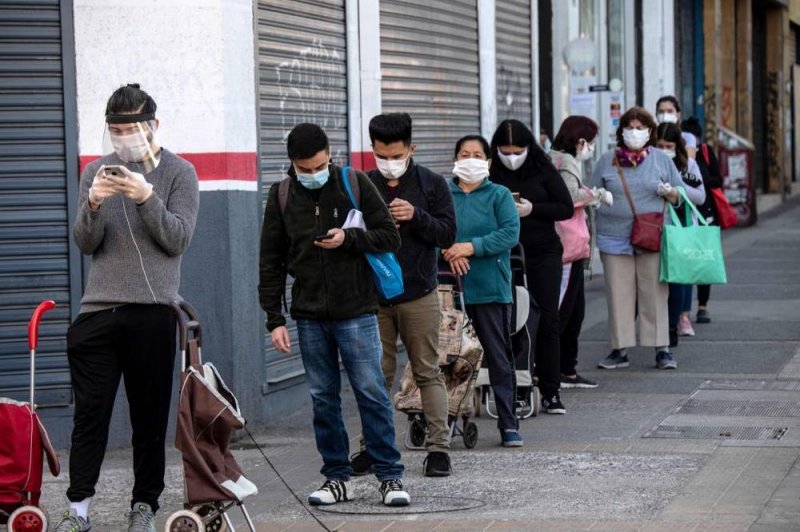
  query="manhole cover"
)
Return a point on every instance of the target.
[
  {"x": 720, "y": 432},
  {"x": 755, "y": 408},
  {"x": 419, "y": 505}
]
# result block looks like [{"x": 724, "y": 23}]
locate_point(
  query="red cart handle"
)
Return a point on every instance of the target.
[{"x": 33, "y": 325}]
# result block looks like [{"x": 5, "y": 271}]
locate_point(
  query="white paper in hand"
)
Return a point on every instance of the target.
[{"x": 354, "y": 220}]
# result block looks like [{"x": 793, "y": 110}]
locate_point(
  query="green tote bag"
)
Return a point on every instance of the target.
[{"x": 691, "y": 254}]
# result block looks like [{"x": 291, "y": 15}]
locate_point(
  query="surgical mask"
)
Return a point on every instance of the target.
[
  {"x": 512, "y": 161},
  {"x": 586, "y": 153},
  {"x": 392, "y": 169},
  {"x": 131, "y": 148},
  {"x": 315, "y": 180},
  {"x": 471, "y": 171},
  {"x": 635, "y": 139},
  {"x": 669, "y": 153},
  {"x": 671, "y": 118}
]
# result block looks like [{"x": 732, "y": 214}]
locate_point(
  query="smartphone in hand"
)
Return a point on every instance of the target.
[
  {"x": 516, "y": 197},
  {"x": 113, "y": 171},
  {"x": 324, "y": 236}
]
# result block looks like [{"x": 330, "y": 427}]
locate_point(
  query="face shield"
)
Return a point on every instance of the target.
[{"x": 132, "y": 137}]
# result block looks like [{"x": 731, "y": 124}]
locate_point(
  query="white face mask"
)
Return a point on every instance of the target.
[
  {"x": 513, "y": 161},
  {"x": 392, "y": 169},
  {"x": 585, "y": 153},
  {"x": 131, "y": 148},
  {"x": 670, "y": 117},
  {"x": 471, "y": 171},
  {"x": 635, "y": 139},
  {"x": 669, "y": 153}
]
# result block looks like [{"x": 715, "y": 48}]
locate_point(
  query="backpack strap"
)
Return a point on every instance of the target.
[
  {"x": 351, "y": 185},
  {"x": 283, "y": 193}
]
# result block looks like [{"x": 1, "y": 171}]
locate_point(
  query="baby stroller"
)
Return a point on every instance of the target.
[
  {"x": 460, "y": 355},
  {"x": 207, "y": 415},
  {"x": 523, "y": 323},
  {"x": 21, "y": 448}
]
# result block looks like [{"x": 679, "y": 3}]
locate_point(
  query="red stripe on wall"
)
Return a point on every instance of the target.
[
  {"x": 363, "y": 160},
  {"x": 242, "y": 166}
]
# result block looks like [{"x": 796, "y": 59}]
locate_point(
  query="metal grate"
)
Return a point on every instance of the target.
[
  {"x": 741, "y": 408},
  {"x": 717, "y": 433},
  {"x": 752, "y": 385}
]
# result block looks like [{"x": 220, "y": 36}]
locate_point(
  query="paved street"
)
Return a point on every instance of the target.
[{"x": 711, "y": 446}]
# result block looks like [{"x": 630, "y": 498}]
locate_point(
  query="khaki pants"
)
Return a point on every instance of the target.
[
  {"x": 632, "y": 279},
  {"x": 417, "y": 324}
]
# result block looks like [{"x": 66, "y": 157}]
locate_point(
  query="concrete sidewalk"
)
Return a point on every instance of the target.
[{"x": 711, "y": 446}]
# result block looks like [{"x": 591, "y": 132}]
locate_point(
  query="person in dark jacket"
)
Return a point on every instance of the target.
[
  {"x": 334, "y": 303},
  {"x": 523, "y": 167},
  {"x": 422, "y": 207},
  {"x": 712, "y": 178}
]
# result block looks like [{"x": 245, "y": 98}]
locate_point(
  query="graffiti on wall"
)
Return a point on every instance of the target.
[
  {"x": 710, "y": 100},
  {"x": 727, "y": 115},
  {"x": 773, "y": 140}
]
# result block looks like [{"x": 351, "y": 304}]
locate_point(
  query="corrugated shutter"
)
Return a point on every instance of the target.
[
  {"x": 429, "y": 65},
  {"x": 684, "y": 55},
  {"x": 513, "y": 41},
  {"x": 34, "y": 224},
  {"x": 302, "y": 78}
]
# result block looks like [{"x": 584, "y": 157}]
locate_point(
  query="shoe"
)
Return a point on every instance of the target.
[
  {"x": 437, "y": 464},
  {"x": 392, "y": 493},
  {"x": 664, "y": 360},
  {"x": 71, "y": 522},
  {"x": 577, "y": 382},
  {"x": 685, "y": 326},
  {"x": 703, "y": 316},
  {"x": 553, "y": 405},
  {"x": 511, "y": 438},
  {"x": 615, "y": 360},
  {"x": 673, "y": 337},
  {"x": 141, "y": 518},
  {"x": 331, "y": 492},
  {"x": 361, "y": 464}
]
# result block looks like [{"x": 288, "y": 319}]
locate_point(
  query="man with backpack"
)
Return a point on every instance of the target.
[
  {"x": 334, "y": 304},
  {"x": 422, "y": 207}
]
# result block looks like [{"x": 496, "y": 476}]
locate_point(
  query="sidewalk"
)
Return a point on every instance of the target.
[{"x": 711, "y": 446}]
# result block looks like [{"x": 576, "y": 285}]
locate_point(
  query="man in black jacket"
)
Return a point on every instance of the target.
[
  {"x": 334, "y": 303},
  {"x": 421, "y": 205}
]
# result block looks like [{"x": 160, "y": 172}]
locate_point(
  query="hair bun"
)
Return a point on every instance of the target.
[{"x": 134, "y": 85}]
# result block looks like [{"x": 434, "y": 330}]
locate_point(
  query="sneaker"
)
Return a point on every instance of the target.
[
  {"x": 392, "y": 493},
  {"x": 577, "y": 382},
  {"x": 685, "y": 326},
  {"x": 511, "y": 438},
  {"x": 71, "y": 522},
  {"x": 331, "y": 492},
  {"x": 141, "y": 518},
  {"x": 437, "y": 464},
  {"x": 703, "y": 316},
  {"x": 361, "y": 463},
  {"x": 615, "y": 360},
  {"x": 673, "y": 337},
  {"x": 553, "y": 405},
  {"x": 664, "y": 360}
]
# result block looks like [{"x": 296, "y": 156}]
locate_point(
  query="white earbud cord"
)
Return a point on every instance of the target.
[{"x": 141, "y": 260}]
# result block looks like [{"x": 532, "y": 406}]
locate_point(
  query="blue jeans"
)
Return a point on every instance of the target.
[
  {"x": 359, "y": 343},
  {"x": 680, "y": 300}
]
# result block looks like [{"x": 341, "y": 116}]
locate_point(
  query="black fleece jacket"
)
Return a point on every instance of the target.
[
  {"x": 334, "y": 284},
  {"x": 433, "y": 226},
  {"x": 709, "y": 169}
]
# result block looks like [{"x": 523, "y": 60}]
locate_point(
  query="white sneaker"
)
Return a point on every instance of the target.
[
  {"x": 331, "y": 492},
  {"x": 393, "y": 494}
]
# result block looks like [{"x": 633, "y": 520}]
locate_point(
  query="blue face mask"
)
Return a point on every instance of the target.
[{"x": 314, "y": 181}]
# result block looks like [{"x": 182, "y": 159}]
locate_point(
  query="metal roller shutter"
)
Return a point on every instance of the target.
[
  {"x": 514, "y": 78},
  {"x": 302, "y": 78},
  {"x": 37, "y": 261},
  {"x": 429, "y": 66}
]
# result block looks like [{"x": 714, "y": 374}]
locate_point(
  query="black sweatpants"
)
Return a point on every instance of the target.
[
  {"x": 137, "y": 343},
  {"x": 571, "y": 314},
  {"x": 703, "y": 294},
  {"x": 544, "y": 285}
]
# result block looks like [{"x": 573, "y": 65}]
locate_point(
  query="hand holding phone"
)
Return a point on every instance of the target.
[
  {"x": 324, "y": 236},
  {"x": 516, "y": 197}
]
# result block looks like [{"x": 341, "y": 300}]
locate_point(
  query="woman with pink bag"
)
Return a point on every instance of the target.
[{"x": 574, "y": 144}]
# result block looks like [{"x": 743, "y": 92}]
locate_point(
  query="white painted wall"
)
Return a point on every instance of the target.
[
  {"x": 658, "y": 27},
  {"x": 487, "y": 53},
  {"x": 194, "y": 57},
  {"x": 363, "y": 70}
]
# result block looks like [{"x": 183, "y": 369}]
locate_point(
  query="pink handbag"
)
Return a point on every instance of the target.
[{"x": 574, "y": 232}]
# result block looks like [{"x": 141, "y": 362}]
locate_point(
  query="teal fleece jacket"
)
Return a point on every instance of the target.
[{"x": 488, "y": 219}]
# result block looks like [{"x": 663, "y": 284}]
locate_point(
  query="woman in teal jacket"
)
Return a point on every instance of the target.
[{"x": 488, "y": 227}]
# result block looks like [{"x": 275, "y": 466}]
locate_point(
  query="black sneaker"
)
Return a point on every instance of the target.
[
  {"x": 664, "y": 360},
  {"x": 331, "y": 492},
  {"x": 392, "y": 493},
  {"x": 615, "y": 360},
  {"x": 673, "y": 337},
  {"x": 361, "y": 464},
  {"x": 577, "y": 382},
  {"x": 553, "y": 405},
  {"x": 437, "y": 464},
  {"x": 703, "y": 316}
]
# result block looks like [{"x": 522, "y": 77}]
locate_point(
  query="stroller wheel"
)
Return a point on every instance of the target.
[
  {"x": 418, "y": 432},
  {"x": 28, "y": 519},
  {"x": 470, "y": 434},
  {"x": 184, "y": 521},
  {"x": 537, "y": 401},
  {"x": 212, "y": 518}
]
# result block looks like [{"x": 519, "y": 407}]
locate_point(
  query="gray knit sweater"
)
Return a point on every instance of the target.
[{"x": 162, "y": 228}]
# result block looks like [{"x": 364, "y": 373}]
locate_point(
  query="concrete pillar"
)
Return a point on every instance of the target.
[
  {"x": 712, "y": 21},
  {"x": 487, "y": 51},
  {"x": 658, "y": 50},
  {"x": 744, "y": 68},
  {"x": 728, "y": 50},
  {"x": 778, "y": 172}
]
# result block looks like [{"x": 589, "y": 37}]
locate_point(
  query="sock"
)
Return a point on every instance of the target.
[
  {"x": 665, "y": 349},
  {"x": 81, "y": 508}
]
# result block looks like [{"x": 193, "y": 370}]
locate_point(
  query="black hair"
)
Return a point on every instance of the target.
[
  {"x": 487, "y": 150},
  {"x": 692, "y": 125},
  {"x": 130, "y": 99},
  {"x": 391, "y": 127},
  {"x": 671, "y": 99},
  {"x": 515, "y": 133},
  {"x": 305, "y": 141},
  {"x": 672, "y": 133}
]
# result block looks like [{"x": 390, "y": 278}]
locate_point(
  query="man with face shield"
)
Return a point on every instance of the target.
[{"x": 137, "y": 209}]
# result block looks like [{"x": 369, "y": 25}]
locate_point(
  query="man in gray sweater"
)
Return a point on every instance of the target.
[{"x": 136, "y": 213}]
